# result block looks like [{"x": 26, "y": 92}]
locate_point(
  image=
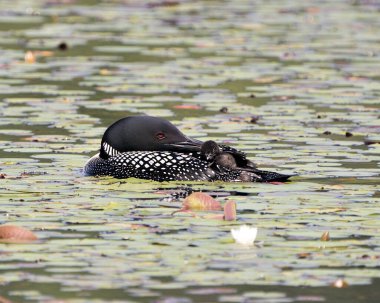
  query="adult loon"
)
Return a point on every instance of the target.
[{"x": 152, "y": 148}]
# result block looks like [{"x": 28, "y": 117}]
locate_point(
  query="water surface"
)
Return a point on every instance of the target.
[{"x": 300, "y": 81}]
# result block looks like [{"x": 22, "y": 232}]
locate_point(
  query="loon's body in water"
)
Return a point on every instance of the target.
[{"x": 152, "y": 148}]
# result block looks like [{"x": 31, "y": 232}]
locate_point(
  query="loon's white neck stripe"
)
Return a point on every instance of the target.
[{"x": 110, "y": 151}]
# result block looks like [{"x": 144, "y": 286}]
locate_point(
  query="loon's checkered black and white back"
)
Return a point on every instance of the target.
[
  {"x": 160, "y": 166},
  {"x": 157, "y": 166},
  {"x": 167, "y": 166},
  {"x": 165, "y": 155}
]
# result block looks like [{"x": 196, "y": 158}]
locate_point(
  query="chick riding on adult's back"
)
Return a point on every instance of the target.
[{"x": 152, "y": 148}]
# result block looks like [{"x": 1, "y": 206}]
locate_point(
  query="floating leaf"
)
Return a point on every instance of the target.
[
  {"x": 4, "y": 300},
  {"x": 325, "y": 236},
  {"x": 199, "y": 201},
  {"x": 29, "y": 57},
  {"x": 230, "y": 211},
  {"x": 15, "y": 234},
  {"x": 340, "y": 283},
  {"x": 187, "y": 106},
  {"x": 374, "y": 139}
]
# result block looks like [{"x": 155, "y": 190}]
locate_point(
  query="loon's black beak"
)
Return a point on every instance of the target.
[{"x": 190, "y": 145}]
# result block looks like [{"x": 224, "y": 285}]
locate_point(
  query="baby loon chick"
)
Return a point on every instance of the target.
[
  {"x": 152, "y": 148},
  {"x": 225, "y": 160},
  {"x": 212, "y": 152}
]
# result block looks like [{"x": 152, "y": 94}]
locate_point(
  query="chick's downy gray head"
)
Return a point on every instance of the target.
[{"x": 210, "y": 149}]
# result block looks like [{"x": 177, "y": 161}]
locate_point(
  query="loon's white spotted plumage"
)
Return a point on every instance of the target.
[
  {"x": 152, "y": 148},
  {"x": 159, "y": 166}
]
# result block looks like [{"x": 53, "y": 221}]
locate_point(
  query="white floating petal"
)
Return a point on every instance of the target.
[{"x": 244, "y": 235}]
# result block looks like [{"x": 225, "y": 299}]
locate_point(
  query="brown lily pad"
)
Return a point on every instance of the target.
[{"x": 14, "y": 234}]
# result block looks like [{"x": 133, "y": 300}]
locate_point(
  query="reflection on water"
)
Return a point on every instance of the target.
[{"x": 299, "y": 81}]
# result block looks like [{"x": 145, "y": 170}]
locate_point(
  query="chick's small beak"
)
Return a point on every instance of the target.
[{"x": 209, "y": 156}]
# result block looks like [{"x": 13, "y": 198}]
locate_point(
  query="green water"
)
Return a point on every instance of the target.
[{"x": 300, "y": 80}]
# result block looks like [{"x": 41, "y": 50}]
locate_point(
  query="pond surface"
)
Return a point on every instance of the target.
[{"x": 300, "y": 82}]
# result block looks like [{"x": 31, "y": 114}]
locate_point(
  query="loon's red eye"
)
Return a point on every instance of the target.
[{"x": 160, "y": 136}]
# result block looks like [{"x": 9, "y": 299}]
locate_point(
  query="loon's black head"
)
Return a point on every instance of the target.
[
  {"x": 145, "y": 133},
  {"x": 210, "y": 149}
]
